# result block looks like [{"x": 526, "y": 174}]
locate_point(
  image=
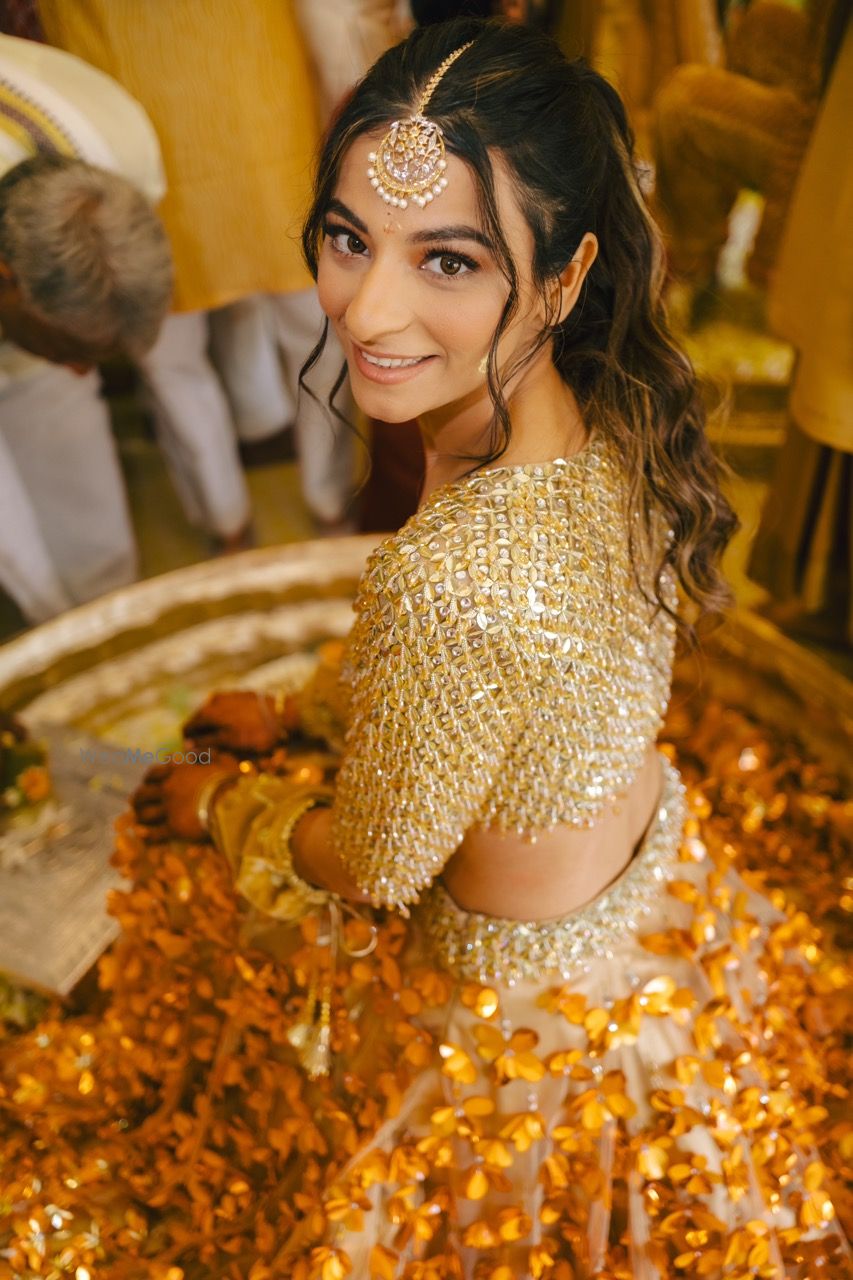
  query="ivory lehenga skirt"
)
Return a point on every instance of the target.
[
  {"x": 613, "y": 1093},
  {"x": 636, "y": 1090}
]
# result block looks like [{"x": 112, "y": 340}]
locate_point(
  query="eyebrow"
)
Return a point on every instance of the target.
[
  {"x": 338, "y": 206},
  {"x": 429, "y": 236},
  {"x": 460, "y": 232}
]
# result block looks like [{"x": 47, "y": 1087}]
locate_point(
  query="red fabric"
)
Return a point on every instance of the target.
[
  {"x": 391, "y": 494},
  {"x": 20, "y": 18}
]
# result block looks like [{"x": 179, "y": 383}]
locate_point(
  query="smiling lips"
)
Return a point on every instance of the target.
[
  {"x": 392, "y": 362},
  {"x": 386, "y": 368}
]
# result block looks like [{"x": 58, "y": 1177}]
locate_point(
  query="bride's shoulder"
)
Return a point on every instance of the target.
[
  {"x": 437, "y": 568},
  {"x": 480, "y": 541}
]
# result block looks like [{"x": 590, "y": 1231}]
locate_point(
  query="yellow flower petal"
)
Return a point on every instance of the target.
[
  {"x": 524, "y": 1066},
  {"x": 573, "y": 1007},
  {"x": 479, "y": 1235},
  {"x": 523, "y": 1040},
  {"x": 513, "y": 1224},
  {"x": 383, "y": 1263},
  {"x": 495, "y": 1154},
  {"x": 475, "y": 1184},
  {"x": 596, "y": 1022},
  {"x": 653, "y": 1161},
  {"x": 486, "y": 1003},
  {"x": 490, "y": 1042},
  {"x": 457, "y": 1065},
  {"x": 478, "y": 1106},
  {"x": 593, "y": 1115}
]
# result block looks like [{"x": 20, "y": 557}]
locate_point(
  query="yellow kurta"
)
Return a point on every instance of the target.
[
  {"x": 812, "y": 300},
  {"x": 229, "y": 89},
  {"x": 802, "y": 552}
]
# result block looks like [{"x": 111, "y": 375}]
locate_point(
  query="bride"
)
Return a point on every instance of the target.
[{"x": 535, "y": 1020}]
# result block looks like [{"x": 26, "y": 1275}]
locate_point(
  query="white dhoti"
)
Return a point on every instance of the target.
[
  {"x": 260, "y": 345},
  {"x": 194, "y": 426},
  {"x": 65, "y": 529}
]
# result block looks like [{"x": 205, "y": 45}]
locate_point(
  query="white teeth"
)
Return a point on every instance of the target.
[{"x": 392, "y": 364}]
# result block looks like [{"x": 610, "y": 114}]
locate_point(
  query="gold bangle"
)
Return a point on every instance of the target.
[
  {"x": 288, "y": 814},
  {"x": 209, "y": 794}
]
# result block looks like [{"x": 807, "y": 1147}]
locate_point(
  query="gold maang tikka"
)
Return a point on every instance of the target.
[{"x": 410, "y": 161}]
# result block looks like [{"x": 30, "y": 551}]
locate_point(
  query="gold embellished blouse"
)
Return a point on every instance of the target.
[{"x": 507, "y": 668}]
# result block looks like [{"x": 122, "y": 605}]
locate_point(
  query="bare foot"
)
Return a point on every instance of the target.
[
  {"x": 342, "y": 527},
  {"x": 242, "y": 540}
]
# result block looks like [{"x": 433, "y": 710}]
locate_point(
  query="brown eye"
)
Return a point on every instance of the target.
[
  {"x": 441, "y": 262},
  {"x": 344, "y": 241}
]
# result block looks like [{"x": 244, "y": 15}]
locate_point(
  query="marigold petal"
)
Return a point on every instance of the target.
[
  {"x": 383, "y": 1263},
  {"x": 475, "y": 1184}
]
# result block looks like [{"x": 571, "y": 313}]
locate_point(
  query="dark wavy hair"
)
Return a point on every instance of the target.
[{"x": 564, "y": 138}]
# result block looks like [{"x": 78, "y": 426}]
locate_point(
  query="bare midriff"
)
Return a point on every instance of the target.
[{"x": 502, "y": 874}]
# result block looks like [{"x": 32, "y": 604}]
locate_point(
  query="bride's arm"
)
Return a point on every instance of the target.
[
  {"x": 434, "y": 705},
  {"x": 315, "y": 860}
]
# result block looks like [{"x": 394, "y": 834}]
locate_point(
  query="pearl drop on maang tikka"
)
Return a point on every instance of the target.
[{"x": 410, "y": 161}]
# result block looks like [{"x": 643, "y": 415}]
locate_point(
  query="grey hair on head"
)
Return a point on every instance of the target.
[{"x": 88, "y": 252}]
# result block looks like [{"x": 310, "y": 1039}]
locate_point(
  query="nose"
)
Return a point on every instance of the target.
[{"x": 380, "y": 306}]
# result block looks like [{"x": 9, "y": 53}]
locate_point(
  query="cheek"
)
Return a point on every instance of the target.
[
  {"x": 464, "y": 320},
  {"x": 334, "y": 288}
]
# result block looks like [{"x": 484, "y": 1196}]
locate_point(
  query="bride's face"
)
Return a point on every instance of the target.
[{"x": 415, "y": 294}]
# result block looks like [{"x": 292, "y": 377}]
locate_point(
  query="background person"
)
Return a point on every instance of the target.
[
  {"x": 229, "y": 89},
  {"x": 803, "y": 552},
  {"x": 85, "y": 274},
  {"x": 720, "y": 129},
  {"x": 248, "y": 346}
]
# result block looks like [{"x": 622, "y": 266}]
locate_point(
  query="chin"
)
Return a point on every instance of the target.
[
  {"x": 387, "y": 407},
  {"x": 387, "y": 414}
]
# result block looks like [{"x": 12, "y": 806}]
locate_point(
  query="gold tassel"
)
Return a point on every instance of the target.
[
  {"x": 316, "y": 1053},
  {"x": 298, "y": 1034},
  {"x": 316, "y": 1056},
  {"x": 310, "y": 1036}
]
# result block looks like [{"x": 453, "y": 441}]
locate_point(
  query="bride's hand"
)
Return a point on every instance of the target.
[
  {"x": 167, "y": 801},
  {"x": 241, "y": 721}
]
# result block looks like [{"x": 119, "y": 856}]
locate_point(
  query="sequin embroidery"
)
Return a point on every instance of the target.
[{"x": 506, "y": 669}]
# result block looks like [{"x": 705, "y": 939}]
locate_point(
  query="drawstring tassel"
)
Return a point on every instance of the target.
[
  {"x": 311, "y": 1036},
  {"x": 298, "y": 1034},
  {"x": 316, "y": 1054}
]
